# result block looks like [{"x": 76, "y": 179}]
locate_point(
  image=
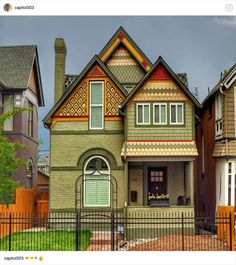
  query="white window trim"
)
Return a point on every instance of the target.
[
  {"x": 177, "y": 104},
  {"x": 143, "y": 123},
  {"x": 159, "y": 104},
  {"x": 88, "y": 172},
  {"x": 96, "y": 105},
  {"x": 218, "y": 115}
]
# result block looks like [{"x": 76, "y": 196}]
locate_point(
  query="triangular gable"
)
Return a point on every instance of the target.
[
  {"x": 124, "y": 66},
  {"x": 161, "y": 70},
  {"x": 74, "y": 102},
  {"x": 122, "y": 37},
  {"x": 160, "y": 73}
]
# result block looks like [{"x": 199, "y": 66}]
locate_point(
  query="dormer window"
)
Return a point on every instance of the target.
[
  {"x": 218, "y": 106},
  {"x": 96, "y": 114}
]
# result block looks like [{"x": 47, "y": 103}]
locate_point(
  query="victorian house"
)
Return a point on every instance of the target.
[
  {"x": 121, "y": 130},
  {"x": 20, "y": 86},
  {"x": 216, "y": 138}
]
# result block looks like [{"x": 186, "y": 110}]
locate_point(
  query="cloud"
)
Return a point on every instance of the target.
[{"x": 226, "y": 21}]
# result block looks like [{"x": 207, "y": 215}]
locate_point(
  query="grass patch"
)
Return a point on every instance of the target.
[{"x": 45, "y": 241}]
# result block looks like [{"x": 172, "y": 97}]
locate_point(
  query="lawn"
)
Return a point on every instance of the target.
[{"x": 45, "y": 241}]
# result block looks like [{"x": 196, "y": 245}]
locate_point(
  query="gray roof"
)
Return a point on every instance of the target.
[{"x": 15, "y": 65}]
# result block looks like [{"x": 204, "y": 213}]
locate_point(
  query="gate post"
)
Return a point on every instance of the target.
[
  {"x": 77, "y": 232},
  {"x": 230, "y": 231},
  {"x": 112, "y": 231}
]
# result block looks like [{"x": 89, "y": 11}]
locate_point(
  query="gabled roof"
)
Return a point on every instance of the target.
[
  {"x": 116, "y": 40},
  {"x": 94, "y": 60},
  {"x": 225, "y": 81},
  {"x": 160, "y": 61},
  {"x": 16, "y": 63}
]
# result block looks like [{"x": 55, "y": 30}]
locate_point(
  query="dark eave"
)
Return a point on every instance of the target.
[
  {"x": 114, "y": 37},
  {"x": 160, "y": 60}
]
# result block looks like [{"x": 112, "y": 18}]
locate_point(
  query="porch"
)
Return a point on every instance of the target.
[{"x": 160, "y": 177}]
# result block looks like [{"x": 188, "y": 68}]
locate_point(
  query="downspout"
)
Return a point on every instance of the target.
[
  {"x": 124, "y": 114},
  {"x": 226, "y": 122}
]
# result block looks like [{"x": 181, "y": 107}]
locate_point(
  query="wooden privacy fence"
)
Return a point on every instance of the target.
[
  {"x": 27, "y": 203},
  {"x": 226, "y": 232}
]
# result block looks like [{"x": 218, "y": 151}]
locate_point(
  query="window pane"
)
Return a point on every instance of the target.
[
  {"x": 140, "y": 114},
  {"x": 163, "y": 113},
  {"x": 179, "y": 114},
  {"x": 173, "y": 114},
  {"x": 96, "y": 93},
  {"x": 156, "y": 113},
  {"x": 146, "y": 114},
  {"x": 8, "y": 106},
  {"x": 96, "y": 117}
]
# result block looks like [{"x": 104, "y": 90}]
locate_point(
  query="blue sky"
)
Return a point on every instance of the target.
[{"x": 201, "y": 46}]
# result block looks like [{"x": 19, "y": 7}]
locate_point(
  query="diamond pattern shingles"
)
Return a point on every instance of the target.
[
  {"x": 124, "y": 67},
  {"x": 186, "y": 148},
  {"x": 15, "y": 65}
]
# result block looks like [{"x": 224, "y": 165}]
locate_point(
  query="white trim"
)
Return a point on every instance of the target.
[
  {"x": 159, "y": 104},
  {"x": 88, "y": 172},
  {"x": 177, "y": 104},
  {"x": 149, "y": 120},
  {"x": 230, "y": 79},
  {"x": 96, "y": 105}
]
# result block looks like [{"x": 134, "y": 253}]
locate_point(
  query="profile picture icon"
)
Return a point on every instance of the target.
[{"x": 7, "y": 7}]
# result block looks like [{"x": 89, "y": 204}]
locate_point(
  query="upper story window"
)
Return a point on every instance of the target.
[
  {"x": 8, "y": 106},
  {"x": 30, "y": 119},
  {"x": 143, "y": 113},
  {"x": 218, "y": 106},
  {"x": 96, "y": 118},
  {"x": 160, "y": 113},
  {"x": 176, "y": 113}
]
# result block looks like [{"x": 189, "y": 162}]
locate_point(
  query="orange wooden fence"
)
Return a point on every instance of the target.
[
  {"x": 26, "y": 205},
  {"x": 223, "y": 230}
]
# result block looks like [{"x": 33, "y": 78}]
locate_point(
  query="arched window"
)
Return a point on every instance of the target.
[
  {"x": 96, "y": 184},
  {"x": 30, "y": 173}
]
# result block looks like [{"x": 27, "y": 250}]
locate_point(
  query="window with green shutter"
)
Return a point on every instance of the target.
[
  {"x": 96, "y": 184},
  {"x": 96, "y": 105}
]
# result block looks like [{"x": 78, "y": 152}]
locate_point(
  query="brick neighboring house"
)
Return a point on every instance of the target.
[
  {"x": 20, "y": 81},
  {"x": 216, "y": 137},
  {"x": 122, "y": 120}
]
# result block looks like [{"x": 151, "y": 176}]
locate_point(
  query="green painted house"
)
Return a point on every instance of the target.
[{"x": 121, "y": 131}]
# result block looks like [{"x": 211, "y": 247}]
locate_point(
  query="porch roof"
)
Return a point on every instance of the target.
[
  {"x": 159, "y": 148},
  {"x": 220, "y": 149}
]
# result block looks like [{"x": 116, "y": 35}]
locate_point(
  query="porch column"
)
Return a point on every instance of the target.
[
  {"x": 191, "y": 182},
  {"x": 126, "y": 189}
]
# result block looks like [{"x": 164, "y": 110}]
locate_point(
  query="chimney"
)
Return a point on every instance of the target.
[{"x": 60, "y": 58}]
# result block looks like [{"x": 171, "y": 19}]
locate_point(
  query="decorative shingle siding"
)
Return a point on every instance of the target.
[
  {"x": 124, "y": 67},
  {"x": 228, "y": 112},
  {"x": 159, "y": 132}
]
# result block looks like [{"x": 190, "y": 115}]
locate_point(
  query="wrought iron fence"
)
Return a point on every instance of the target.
[{"x": 114, "y": 230}]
